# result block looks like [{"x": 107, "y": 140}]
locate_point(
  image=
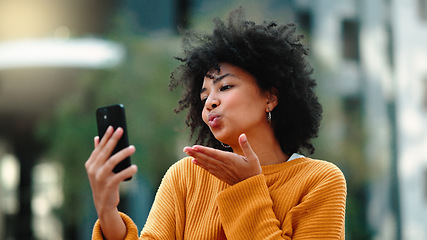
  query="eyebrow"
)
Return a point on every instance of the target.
[{"x": 216, "y": 80}]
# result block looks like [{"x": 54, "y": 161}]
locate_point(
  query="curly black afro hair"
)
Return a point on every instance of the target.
[{"x": 274, "y": 55}]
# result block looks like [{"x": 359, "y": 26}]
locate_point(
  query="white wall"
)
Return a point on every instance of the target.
[
  {"x": 411, "y": 69},
  {"x": 372, "y": 78}
]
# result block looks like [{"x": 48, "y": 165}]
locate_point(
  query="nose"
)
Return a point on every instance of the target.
[{"x": 212, "y": 103}]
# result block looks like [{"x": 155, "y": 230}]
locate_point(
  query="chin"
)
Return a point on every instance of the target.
[
  {"x": 226, "y": 138},
  {"x": 219, "y": 136}
]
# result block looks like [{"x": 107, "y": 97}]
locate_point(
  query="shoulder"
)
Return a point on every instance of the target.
[
  {"x": 329, "y": 174},
  {"x": 321, "y": 166},
  {"x": 184, "y": 170},
  {"x": 322, "y": 171},
  {"x": 174, "y": 180},
  {"x": 185, "y": 176},
  {"x": 183, "y": 165}
]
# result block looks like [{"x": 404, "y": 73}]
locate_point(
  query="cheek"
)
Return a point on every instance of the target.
[
  {"x": 204, "y": 115},
  {"x": 250, "y": 111}
]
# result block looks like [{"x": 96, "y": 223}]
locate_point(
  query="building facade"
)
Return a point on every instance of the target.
[{"x": 375, "y": 51}]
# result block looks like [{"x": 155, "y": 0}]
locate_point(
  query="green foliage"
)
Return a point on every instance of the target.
[{"x": 141, "y": 84}]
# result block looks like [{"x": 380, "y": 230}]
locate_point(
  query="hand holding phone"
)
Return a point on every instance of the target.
[{"x": 114, "y": 115}]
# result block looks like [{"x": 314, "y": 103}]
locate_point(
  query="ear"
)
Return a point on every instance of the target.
[{"x": 272, "y": 98}]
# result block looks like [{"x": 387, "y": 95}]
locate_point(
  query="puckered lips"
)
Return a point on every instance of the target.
[{"x": 213, "y": 120}]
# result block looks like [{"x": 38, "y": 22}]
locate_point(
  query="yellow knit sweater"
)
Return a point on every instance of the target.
[{"x": 300, "y": 199}]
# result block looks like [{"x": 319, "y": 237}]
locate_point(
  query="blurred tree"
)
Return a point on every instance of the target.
[
  {"x": 182, "y": 13},
  {"x": 141, "y": 84}
]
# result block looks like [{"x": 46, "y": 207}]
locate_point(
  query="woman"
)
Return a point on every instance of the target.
[{"x": 252, "y": 108}]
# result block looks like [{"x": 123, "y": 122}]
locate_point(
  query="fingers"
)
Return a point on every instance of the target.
[
  {"x": 118, "y": 157},
  {"x": 107, "y": 135},
  {"x": 105, "y": 147},
  {"x": 101, "y": 164},
  {"x": 212, "y": 159},
  {"x": 104, "y": 182},
  {"x": 124, "y": 174},
  {"x": 247, "y": 149},
  {"x": 209, "y": 152},
  {"x": 224, "y": 165},
  {"x": 109, "y": 142},
  {"x": 96, "y": 141},
  {"x": 229, "y": 167},
  {"x": 208, "y": 156},
  {"x": 214, "y": 166},
  {"x": 98, "y": 146}
]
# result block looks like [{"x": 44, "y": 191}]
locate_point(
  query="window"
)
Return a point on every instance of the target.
[
  {"x": 350, "y": 39},
  {"x": 422, "y": 10},
  {"x": 390, "y": 45},
  {"x": 304, "y": 19}
]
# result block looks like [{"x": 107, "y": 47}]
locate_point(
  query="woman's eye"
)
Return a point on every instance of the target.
[
  {"x": 204, "y": 100},
  {"x": 225, "y": 87}
]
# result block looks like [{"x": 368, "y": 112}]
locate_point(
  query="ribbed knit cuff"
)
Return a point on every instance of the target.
[
  {"x": 246, "y": 209},
  {"x": 132, "y": 230},
  {"x": 240, "y": 192}
]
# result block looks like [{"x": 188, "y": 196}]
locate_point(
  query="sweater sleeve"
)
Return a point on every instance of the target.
[
  {"x": 132, "y": 230},
  {"x": 165, "y": 220},
  {"x": 167, "y": 214},
  {"x": 321, "y": 212},
  {"x": 246, "y": 210}
]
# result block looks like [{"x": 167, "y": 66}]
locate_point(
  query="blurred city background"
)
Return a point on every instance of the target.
[{"x": 60, "y": 60}]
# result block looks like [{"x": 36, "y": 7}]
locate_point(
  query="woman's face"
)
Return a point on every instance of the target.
[{"x": 233, "y": 103}]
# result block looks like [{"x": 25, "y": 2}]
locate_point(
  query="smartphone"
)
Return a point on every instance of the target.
[{"x": 114, "y": 115}]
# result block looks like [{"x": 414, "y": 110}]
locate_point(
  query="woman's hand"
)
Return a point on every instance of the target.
[
  {"x": 228, "y": 167},
  {"x": 105, "y": 183}
]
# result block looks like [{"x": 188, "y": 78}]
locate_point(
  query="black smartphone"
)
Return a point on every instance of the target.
[{"x": 114, "y": 115}]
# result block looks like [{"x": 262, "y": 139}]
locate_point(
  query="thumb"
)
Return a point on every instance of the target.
[{"x": 247, "y": 149}]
